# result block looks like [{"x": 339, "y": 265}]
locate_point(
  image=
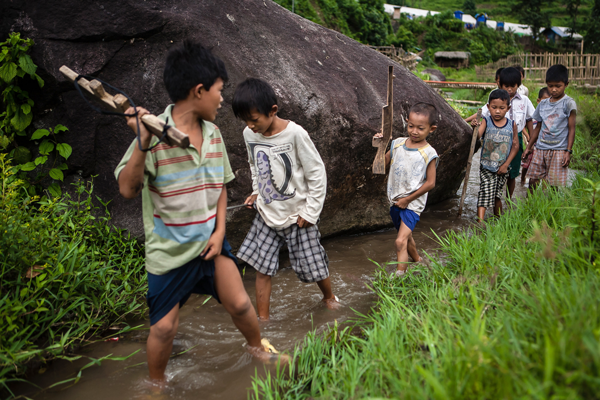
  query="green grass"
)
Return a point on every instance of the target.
[
  {"x": 90, "y": 276},
  {"x": 512, "y": 314}
]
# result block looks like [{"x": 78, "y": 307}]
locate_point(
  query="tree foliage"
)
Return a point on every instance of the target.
[
  {"x": 530, "y": 12},
  {"x": 592, "y": 36}
]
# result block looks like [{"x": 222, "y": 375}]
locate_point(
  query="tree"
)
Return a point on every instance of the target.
[
  {"x": 573, "y": 12},
  {"x": 469, "y": 7},
  {"x": 592, "y": 36},
  {"x": 530, "y": 12}
]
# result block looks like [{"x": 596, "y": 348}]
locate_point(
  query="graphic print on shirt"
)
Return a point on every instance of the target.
[
  {"x": 271, "y": 162},
  {"x": 547, "y": 134}
]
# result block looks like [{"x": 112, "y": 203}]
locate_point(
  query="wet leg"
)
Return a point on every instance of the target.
[
  {"x": 523, "y": 176},
  {"x": 234, "y": 298},
  {"x": 328, "y": 298},
  {"x": 412, "y": 249},
  {"x": 510, "y": 185},
  {"x": 160, "y": 344},
  {"x": 263, "y": 295},
  {"x": 497, "y": 207},
  {"x": 402, "y": 247},
  {"x": 481, "y": 213}
]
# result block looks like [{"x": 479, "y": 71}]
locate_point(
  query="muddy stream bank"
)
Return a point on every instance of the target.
[{"x": 219, "y": 367}]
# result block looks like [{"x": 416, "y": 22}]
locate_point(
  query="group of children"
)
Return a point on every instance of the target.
[
  {"x": 184, "y": 197},
  {"x": 508, "y": 117}
]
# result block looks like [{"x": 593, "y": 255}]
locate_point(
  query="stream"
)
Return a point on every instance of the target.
[{"x": 218, "y": 367}]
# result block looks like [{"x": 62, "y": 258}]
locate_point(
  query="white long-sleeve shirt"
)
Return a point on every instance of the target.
[{"x": 288, "y": 175}]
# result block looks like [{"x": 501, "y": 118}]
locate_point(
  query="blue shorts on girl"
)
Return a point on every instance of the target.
[{"x": 408, "y": 172}]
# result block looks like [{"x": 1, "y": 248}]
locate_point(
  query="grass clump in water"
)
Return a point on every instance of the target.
[
  {"x": 65, "y": 275},
  {"x": 513, "y": 314}
]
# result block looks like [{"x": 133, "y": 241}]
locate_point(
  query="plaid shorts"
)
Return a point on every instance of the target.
[
  {"x": 491, "y": 187},
  {"x": 547, "y": 165},
  {"x": 262, "y": 244}
]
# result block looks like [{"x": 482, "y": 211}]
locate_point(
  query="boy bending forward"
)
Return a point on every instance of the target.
[
  {"x": 184, "y": 200},
  {"x": 412, "y": 176},
  {"x": 288, "y": 190}
]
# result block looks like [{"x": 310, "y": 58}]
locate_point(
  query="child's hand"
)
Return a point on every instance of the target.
[
  {"x": 378, "y": 135},
  {"x": 526, "y": 154},
  {"x": 214, "y": 246},
  {"x": 145, "y": 135},
  {"x": 503, "y": 169},
  {"x": 302, "y": 223},
  {"x": 250, "y": 201},
  {"x": 566, "y": 159},
  {"x": 402, "y": 203},
  {"x": 474, "y": 123}
]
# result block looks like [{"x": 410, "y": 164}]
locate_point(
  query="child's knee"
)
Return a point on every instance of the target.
[
  {"x": 239, "y": 306},
  {"x": 401, "y": 242},
  {"x": 164, "y": 330}
]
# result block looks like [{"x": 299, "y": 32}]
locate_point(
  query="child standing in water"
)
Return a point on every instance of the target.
[
  {"x": 184, "y": 198},
  {"x": 411, "y": 177},
  {"x": 289, "y": 185},
  {"x": 500, "y": 146}
]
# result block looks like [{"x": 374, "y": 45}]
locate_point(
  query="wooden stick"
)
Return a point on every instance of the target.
[
  {"x": 471, "y": 151},
  {"x": 119, "y": 103},
  {"x": 387, "y": 120}
]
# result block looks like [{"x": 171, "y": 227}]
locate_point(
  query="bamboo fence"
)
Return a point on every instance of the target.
[{"x": 583, "y": 68}]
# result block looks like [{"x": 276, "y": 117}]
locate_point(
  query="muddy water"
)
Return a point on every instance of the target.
[{"x": 219, "y": 367}]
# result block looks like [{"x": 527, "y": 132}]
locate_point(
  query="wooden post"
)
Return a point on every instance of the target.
[
  {"x": 119, "y": 103},
  {"x": 387, "y": 120},
  {"x": 469, "y": 161}
]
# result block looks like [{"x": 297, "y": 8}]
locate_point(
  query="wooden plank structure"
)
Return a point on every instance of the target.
[
  {"x": 119, "y": 103},
  {"x": 469, "y": 162},
  {"x": 461, "y": 85},
  {"x": 387, "y": 120},
  {"x": 583, "y": 68}
]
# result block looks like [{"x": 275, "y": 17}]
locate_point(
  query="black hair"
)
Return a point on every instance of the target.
[
  {"x": 510, "y": 77},
  {"x": 253, "y": 94},
  {"x": 425, "y": 109},
  {"x": 189, "y": 65},
  {"x": 499, "y": 94},
  {"x": 557, "y": 73},
  {"x": 498, "y": 72},
  {"x": 543, "y": 92},
  {"x": 520, "y": 69}
]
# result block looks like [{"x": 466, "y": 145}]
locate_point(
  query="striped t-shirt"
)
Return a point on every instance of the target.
[{"x": 179, "y": 197}]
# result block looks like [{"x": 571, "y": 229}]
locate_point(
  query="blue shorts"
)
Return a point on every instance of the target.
[
  {"x": 399, "y": 215},
  {"x": 176, "y": 286}
]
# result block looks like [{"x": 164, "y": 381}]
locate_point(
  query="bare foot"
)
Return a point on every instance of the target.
[
  {"x": 267, "y": 357},
  {"x": 332, "y": 304},
  {"x": 400, "y": 272}
]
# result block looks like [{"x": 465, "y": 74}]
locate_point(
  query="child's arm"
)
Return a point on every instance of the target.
[
  {"x": 131, "y": 178},
  {"x": 427, "y": 186},
  {"x": 250, "y": 200},
  {"x": 571, "y": 138},
  {"x": 482, "y": 127},
  {"x": 316, "y": 179},
  {"x": 527, "y": 132},
  {"x": 215, "y": 242},
  {"x": 532, "y": 139},
  {"x": 514, "y": 149}
]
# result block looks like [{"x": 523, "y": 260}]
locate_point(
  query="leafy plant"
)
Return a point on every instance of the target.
[
  {"x": 15, "y": 64},
  {"x": 65, "y": 273}
]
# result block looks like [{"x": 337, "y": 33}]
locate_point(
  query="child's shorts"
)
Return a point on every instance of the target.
[
  {"x": 261, "y": 248},
  {"x": 399, "y": 215},
  {"x": 176, "y": 286},
  {"x": 491, "y": 187},
  {"x": 547, "y": 165}
]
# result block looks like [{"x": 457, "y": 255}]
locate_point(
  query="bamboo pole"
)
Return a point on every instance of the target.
[{"x": 469, "y": 161}]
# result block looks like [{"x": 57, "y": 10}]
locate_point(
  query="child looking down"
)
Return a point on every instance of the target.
[
  {"x": 500, "y": 146},
  {"x": 289, "y": 184}
]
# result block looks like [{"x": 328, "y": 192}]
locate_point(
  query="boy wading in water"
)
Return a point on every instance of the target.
[
  {"x": 184, "y": 200},
  {"x": 554, "y": 146},
  {"x": 500, "y": 146},
  {"x": 288, "y": 190},
  {"x": 412, "y": 176}
]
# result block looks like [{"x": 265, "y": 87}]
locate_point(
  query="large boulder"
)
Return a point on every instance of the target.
[{"x": 330, "y": 84}]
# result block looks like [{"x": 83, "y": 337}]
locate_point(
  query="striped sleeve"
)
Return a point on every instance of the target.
[
  {"x": 228, "y": 174},
  {"x": 149, "y": 169}
]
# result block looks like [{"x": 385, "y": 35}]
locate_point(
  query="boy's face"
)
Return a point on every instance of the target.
[
  {"x": 556, "y": 89},
  {"x": 418, "y": 127},
  {"x": 260, "y": 123},
  {"x": 498, "y": 109},
  {"x": 545, "y": 96},
  {"x": 512, "y": 90},
  {"x": 209, "y": 101}
]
